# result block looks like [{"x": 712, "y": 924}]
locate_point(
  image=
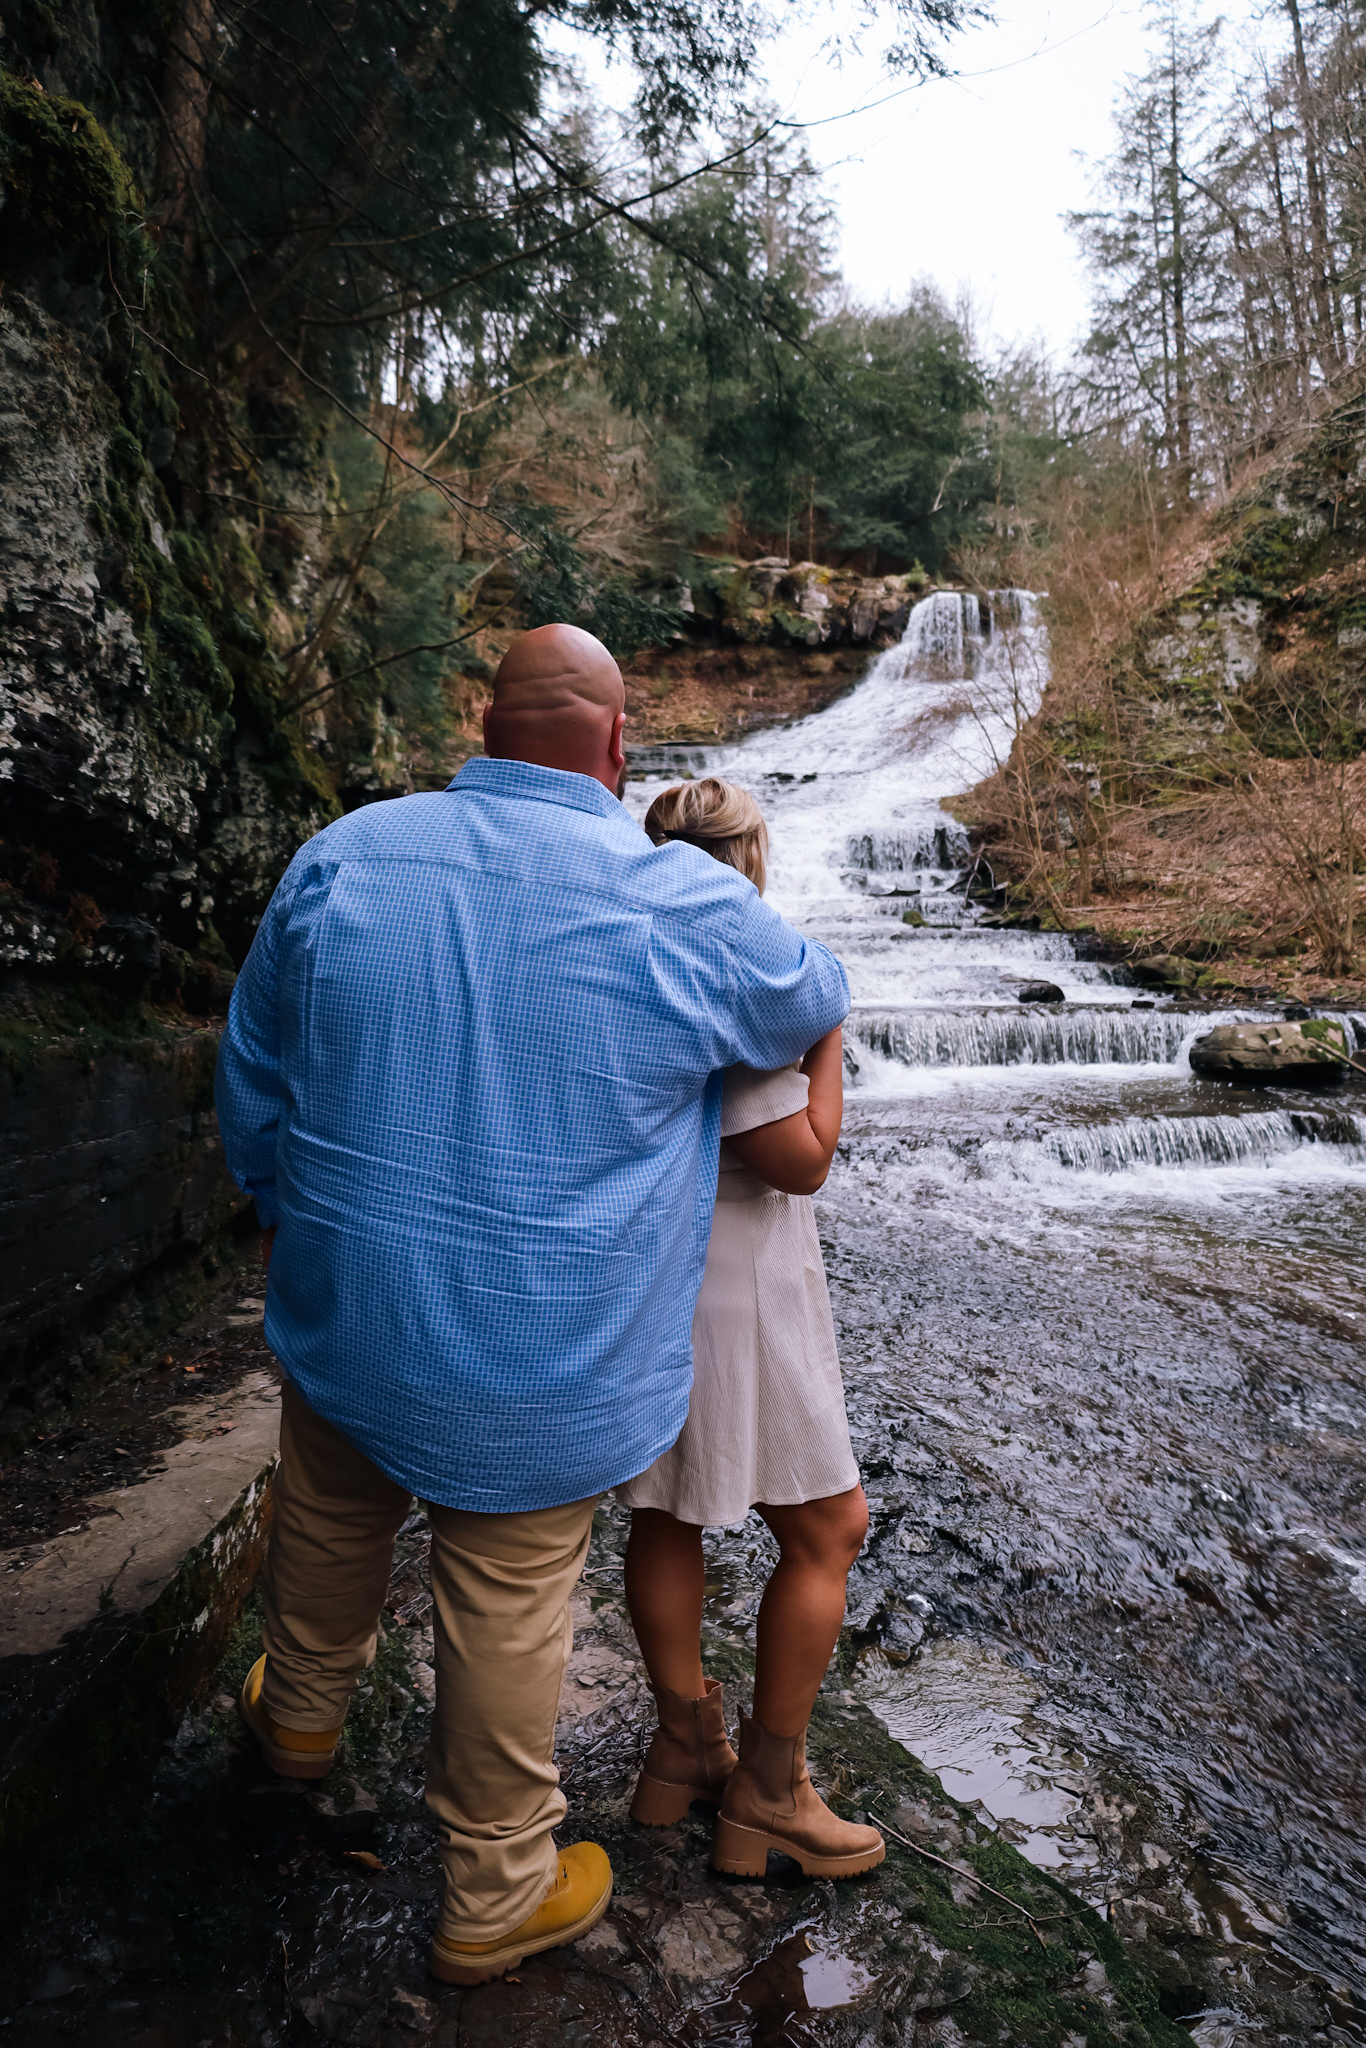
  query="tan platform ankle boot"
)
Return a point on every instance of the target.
[
  {"x": 771, "y": 1803},
  {"x": 689, "y": 1758}
]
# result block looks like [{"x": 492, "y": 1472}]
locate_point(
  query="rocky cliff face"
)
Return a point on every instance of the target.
[
  {"x": 149, "y": 791},
  {"x": 797, "y": 604},
  {"x": 1272, "y": 606},
  {"x": 138, "y": 825},
  {"x": 113, "y": 1209}
]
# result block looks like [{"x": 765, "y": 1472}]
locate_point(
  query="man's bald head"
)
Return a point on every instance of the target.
[{"x": 558, "y": 701}]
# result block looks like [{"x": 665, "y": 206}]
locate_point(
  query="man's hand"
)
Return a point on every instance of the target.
[{"x": 267, "y": 1245}]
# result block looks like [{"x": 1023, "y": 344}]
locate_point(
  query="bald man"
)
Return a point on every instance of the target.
[{"x": 472, "y": 1078}]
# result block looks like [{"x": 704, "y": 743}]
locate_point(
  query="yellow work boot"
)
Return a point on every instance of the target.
[
  {"x": 293, "y": 1752},
  {"x": 575, "y": 1902}
]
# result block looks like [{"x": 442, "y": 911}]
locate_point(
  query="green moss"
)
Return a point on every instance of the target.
[
  {"x": 66, "y": 181},
  {"x": 1269, "y": 554},
  {"x": 384, "y": 1713},
  {"x": 87, "y": 1021},
  {"x": 1023, "y": 1983}
]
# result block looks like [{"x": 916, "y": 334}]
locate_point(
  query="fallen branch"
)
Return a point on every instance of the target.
[
  {"x": 972, "y": 1878},
  {"x": 1330, "y": 1052}
]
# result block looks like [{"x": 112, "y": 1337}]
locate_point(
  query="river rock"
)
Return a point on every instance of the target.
[
  {"x": 1280, "y": 1052},
  {"x": 1165, "y": 970},
  {"x": 1040, "y": 992}
]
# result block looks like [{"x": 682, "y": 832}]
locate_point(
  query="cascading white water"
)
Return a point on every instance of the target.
[
  {"x": 1098, "y": 1317},
  {"x": 854, "y": 793},
  {"x": 1004, "y": 1038},
  {"x": 1202, "y": 1140},
  {"x": 1255, "y": 1138},
  {"x": 861, "y": 841}
]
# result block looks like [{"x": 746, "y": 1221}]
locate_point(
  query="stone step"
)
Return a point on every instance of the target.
[{"x": 117, "y": 1600}]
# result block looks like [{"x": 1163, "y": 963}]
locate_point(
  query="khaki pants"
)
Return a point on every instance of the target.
[{"x": 500, "y": 1588}]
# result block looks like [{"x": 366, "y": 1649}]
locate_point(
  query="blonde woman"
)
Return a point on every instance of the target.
[{"x": 766, "y": 1429}]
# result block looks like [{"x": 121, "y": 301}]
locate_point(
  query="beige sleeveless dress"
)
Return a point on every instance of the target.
[{"x": 766, "y": 1421}]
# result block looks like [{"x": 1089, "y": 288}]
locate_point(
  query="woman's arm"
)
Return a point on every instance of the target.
[{"x": 794, "y": 1154}]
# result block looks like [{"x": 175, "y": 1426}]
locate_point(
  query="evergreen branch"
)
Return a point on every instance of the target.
[{"x": 607, "y": 209}]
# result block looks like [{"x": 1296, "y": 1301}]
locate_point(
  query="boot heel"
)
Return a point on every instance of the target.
[
  {"x": 657, "y": 1805},
  {"x": 737, "y": 1851}
]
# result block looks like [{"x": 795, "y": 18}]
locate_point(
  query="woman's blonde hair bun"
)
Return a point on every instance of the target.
[{"x": 717, "y": 817}]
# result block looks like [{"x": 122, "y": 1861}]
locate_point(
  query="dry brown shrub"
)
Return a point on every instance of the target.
[
  {"x": 1117, "y": 801},
  {"x": 1278, "y": 856}
]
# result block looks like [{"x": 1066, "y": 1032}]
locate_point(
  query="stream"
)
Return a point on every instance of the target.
[
  {"x": 1101, "y": 1324},
  {"x": 1101, "y": 1327}
]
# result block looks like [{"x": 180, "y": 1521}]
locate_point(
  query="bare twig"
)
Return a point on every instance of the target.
[{"x": 980, "y": 1882}]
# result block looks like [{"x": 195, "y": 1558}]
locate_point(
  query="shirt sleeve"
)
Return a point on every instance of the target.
[
  {"x": 249, "y": 1090},
  {"x": 750, "y": 1098},
  {"x": 786, "y": 991}
]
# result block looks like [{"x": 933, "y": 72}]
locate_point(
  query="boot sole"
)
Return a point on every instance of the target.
[
  {"x": 286, "y": 1763},
  {"x": 743, "y": 1852},
  {"x": 657, "y": 1804},
  {"x": 444, "y": 1966}
]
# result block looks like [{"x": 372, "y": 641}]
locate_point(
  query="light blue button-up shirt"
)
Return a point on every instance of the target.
[{"x": 472, "y": 1069}]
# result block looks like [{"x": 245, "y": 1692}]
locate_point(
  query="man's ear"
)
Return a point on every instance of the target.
[{"x": 616, "y": 746}]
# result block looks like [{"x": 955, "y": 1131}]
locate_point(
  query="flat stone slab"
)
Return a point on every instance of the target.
[
  {"x": 138, "y": 1538},
  {"x": 132, "y": 1536}
]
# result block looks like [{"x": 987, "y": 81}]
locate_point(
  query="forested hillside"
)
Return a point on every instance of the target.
[
  {"x": 1194, "y": 783},
  {"x": 339, "y": 343}
]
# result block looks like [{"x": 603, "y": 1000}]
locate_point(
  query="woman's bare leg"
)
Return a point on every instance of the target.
[
  {"x": 803, "y": 1604},
  {"x": 664, "y": 1587}
]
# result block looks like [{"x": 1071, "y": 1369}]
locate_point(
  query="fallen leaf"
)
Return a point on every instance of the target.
[
  {"x": 366, "y": 1857},
  {"x": 508, "y": 1978}
]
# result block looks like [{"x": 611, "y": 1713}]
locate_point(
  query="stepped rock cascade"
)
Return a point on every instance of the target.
[
  {"x": 939, "y": 1038},
  {"x": 1203, "y": 1140},
  {"x": 1102, "y": 1345}
]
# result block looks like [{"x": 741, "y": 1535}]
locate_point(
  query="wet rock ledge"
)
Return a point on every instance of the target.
[
  {"x": 130, "y": 1538},
  {"x": 231, "y": 1910}
]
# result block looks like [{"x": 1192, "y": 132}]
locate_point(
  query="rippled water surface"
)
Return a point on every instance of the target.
[{"x": 1102, "y": 1329}]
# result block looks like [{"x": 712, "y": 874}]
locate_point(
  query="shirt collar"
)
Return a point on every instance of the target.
[{"x": 481, "y": 776}]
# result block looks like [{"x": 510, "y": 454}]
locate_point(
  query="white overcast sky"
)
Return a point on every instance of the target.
[{"x": 965, "y": 180}]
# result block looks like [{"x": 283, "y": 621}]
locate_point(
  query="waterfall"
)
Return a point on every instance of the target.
[
  {"x": 1131, "y": 1143},
  {"x": 937, "y": 847},
  {"x": 1201, "y": 1140},
  {"x": 858, "y": 786},
  {"x": 1010, "y": 1038},
  {"x": 942, "y": 629},
  {"x": 948, "y": 630}
]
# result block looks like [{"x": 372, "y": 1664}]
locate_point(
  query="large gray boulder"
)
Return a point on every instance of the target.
[{"x": 1273, "y": 1052}]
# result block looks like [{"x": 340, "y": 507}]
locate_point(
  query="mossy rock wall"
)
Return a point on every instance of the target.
[
  {"x": 114, "y": 1204},
  {"x": 1272, "y": 624}
]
